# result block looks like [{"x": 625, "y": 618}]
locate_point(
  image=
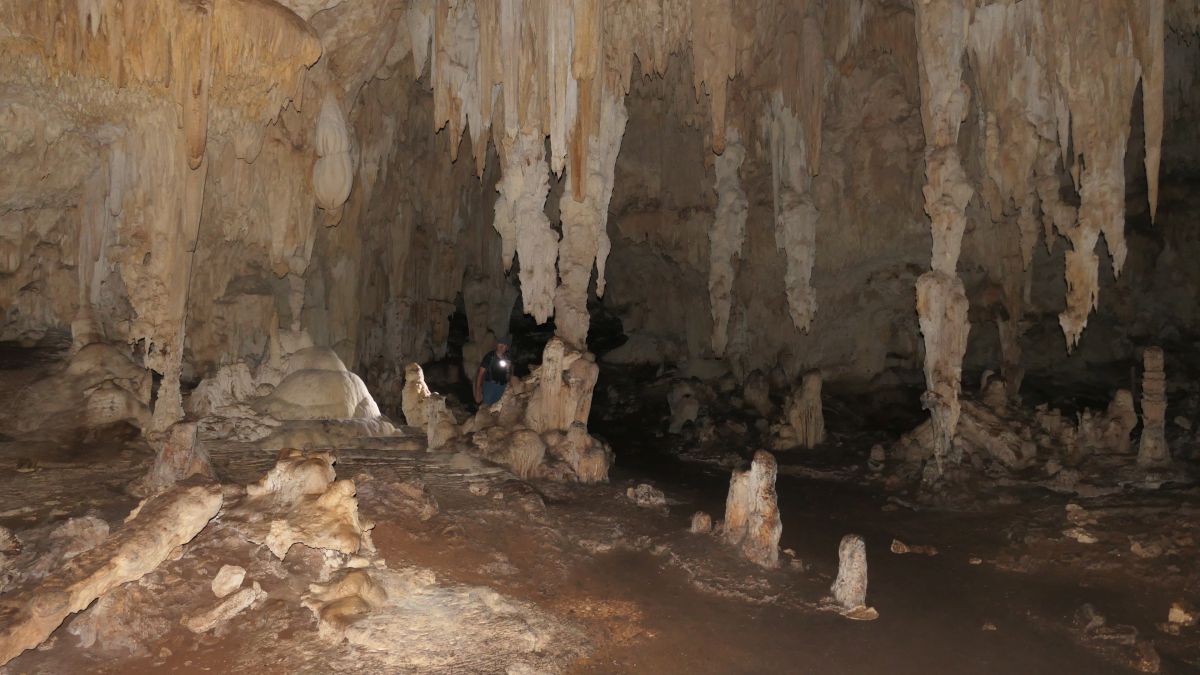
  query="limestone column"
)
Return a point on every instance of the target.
[
  {"x": 1153, "y": 450},
  {"x": 941, "y": 299}
]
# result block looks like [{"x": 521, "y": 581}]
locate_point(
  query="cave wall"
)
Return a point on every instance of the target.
[{"x": 746, "y": 183}]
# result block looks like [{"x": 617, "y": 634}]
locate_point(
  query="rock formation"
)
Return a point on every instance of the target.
[
  {"x": 152, "y": 531},
  {"x": 1152, "y": 449},
  {"x": 177, "y": 458},
  {"x": 416, "y": 393},
  {"x": 850, "y": 587},
  {"x": 298, "y": 501},
  {"x": 752, "y": 522}
]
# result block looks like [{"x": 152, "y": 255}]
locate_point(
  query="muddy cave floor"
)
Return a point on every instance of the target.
[{"x": 1005, "y": 591}]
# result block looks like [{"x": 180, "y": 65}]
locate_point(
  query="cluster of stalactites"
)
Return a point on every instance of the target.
[
  {"x": 1056, "y": 82},
  {"x": 246, "y": 57},
  {"x": 544, "y": 67}
]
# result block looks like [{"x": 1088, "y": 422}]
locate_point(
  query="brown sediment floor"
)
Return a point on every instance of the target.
[{"x": 634, "y": 589}]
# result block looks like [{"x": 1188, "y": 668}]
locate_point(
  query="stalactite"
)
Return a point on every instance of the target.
[
  {"x": 1064, "y": 74},
  {"x": 522, "y": 223},
  {"x": 333, "y": 172},
  {"x": 795, "y": 214},
  {"x": 726, "y": 237},
  {"x": 585, "y": 227},
  {"x": 941, "y": 300},
  {"x": 714, "y": 52}
]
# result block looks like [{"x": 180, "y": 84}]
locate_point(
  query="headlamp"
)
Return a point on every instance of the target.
[{"x": 503, "y": 363}]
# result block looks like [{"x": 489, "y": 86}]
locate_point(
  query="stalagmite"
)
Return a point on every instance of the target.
[
  {"x": 1153, "y": 450},
  {"x": 752, "y": 522},
  {"x": 585, "y": 226},
  {"x": 178, "y": 457},
  {"x": 416, "y": 393},
  {"x": 805, "y": 414},
  {"x": 941, "y": 300},
  {"x": 757, "y": 393},
  {"x": 726, "y": 237},
  {"x": 850, "y": 587},
  {"x": 522, "y": 223}
]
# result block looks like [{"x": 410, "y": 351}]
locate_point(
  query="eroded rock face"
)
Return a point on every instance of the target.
[
  {"x": 158, "y": 526},
  {"x": 752, "y": 522}
]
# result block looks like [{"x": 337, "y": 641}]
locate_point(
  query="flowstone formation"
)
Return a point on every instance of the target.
[{"x": 752, "y": 523}]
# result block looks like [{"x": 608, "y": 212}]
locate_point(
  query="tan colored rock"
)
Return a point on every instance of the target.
[
  {"x": 156, "y": 528},
  {"x": 701, "y": 523},
  {"x": 295, "y": 475},
  {"x": 178, "y": 457},
  {"x": 228, "y": 579},
  {"x": 224, "y": 610},
  {"x": 339, "y": 603},
  {"x": 752, "y": 523},
  {"x": 850, "y": 587},
  {"x": 416, "y": 393}
]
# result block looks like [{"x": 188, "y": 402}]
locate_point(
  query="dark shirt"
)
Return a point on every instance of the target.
[{"x": 493, "y": 371}]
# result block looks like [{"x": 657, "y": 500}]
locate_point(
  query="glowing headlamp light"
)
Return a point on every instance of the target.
[{"x": 503, "y": 363}]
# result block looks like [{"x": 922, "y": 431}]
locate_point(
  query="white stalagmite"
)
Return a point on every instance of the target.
[
  {"x": 795, "y": 214},
  {"x": 850, "y": 587},
  {"x": 941, "y": 300},
  {"x": 752, "y": 523},
  {"x": 726, "y": 236},
  {"x": 522, "y": 222},
  {"x": 585, "y": 226}
]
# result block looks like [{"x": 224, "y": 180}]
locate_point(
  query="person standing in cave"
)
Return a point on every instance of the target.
[{"x": 492, "y": 378}]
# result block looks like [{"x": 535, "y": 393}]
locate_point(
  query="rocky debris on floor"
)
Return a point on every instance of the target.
[
  {"x": 752, "y": 523},
  {"x": 647, "y": 496},
  {"x": 227, "y": 580},
  {"x": 1119, "y": 642},
  {"x": 1181, "y": 614},
  {"x": 701, "y": 523},
  {"x": 151, "y": 533},
  {"x": 850, "y": 587},
  {"x": 299, "y": 502},
  {"x": 225, "y": 610},
  {"x": 900, "y": 548}
]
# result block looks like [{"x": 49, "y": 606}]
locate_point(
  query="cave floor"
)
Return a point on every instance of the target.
[{"x": 1001, "y": 588}]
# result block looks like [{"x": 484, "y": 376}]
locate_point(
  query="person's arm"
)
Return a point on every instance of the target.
[{"x": 479, "y": 385}]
